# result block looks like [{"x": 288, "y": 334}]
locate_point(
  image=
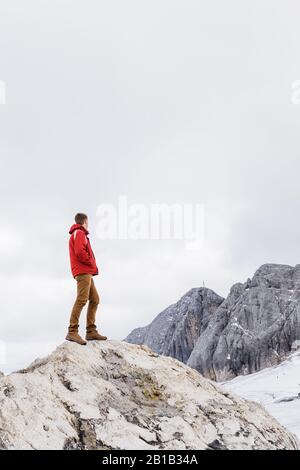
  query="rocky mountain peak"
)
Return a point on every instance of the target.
[
  {"x": 253, "y": 328},
  {"x": 176, "y": 329},
  {"x": 277, "y": 276}
]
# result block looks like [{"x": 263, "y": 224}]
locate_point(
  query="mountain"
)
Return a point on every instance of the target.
[
  {"x": 176, "y": 329},
  {"x": 115, "y": 395},
  {"x": 276, "y": 388},
  {"x": 253, "y": 328}
]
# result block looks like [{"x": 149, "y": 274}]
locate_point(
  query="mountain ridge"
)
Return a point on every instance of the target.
[{"x": 254, "y": 327}]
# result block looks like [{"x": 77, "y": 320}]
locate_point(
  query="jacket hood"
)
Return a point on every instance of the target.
[{"x": 76, "y": 227}]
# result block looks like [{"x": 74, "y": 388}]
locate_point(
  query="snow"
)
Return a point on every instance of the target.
[{"x": 276, "y": 388}]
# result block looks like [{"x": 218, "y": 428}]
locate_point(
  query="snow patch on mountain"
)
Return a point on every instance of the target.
[{"x": 276, "y": 388}]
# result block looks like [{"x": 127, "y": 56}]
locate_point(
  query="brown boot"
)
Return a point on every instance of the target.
[
  {"x": 74, "y": 336},
  {"x": 94, "y": 335}
]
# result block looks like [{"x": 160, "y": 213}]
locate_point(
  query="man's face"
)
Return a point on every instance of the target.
[{"x": 86, "y": 224}]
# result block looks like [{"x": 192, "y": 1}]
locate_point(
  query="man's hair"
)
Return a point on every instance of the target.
[{"x": 80, "y": 218}]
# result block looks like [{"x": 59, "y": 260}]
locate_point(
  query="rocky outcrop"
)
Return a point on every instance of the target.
[
  {"x": 253, "y": 328},
  {"x": 175, "y": 331},
  {"x": 115, "y": 395}
]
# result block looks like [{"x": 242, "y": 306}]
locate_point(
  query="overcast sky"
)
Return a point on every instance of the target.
[{"x": 162, "y": 101}]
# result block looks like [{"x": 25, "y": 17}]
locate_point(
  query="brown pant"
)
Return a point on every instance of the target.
[{"x": 86, "y": 290}]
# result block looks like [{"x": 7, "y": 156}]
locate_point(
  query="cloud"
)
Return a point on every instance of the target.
[
  {"x": 164, "y": 102},
  {"x": 11, "y": 242}
]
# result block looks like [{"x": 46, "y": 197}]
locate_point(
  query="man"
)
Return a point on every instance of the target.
[{"x": 84, "y": 267}]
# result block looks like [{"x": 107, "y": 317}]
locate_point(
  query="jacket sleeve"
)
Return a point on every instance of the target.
[{"x": 80, "y": 249}]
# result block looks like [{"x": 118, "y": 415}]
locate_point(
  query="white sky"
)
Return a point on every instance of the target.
[{"x": 164, "y": 102}]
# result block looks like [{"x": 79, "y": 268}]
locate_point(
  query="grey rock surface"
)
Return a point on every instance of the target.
[
  {"x": 176, "y": 329},
  {"x": 255, "y": 326}
]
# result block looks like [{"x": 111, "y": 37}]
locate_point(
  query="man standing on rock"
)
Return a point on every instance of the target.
[{"x": 84, "y": 267}]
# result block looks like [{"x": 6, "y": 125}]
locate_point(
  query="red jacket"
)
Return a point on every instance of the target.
[{"x": 82, "y": 258}]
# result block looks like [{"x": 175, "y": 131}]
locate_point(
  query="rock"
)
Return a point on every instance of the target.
[
  {"x": 255, "y": 327},
  {"x": 116, "y": 395},
  {"x": 176, "y": 329}
]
